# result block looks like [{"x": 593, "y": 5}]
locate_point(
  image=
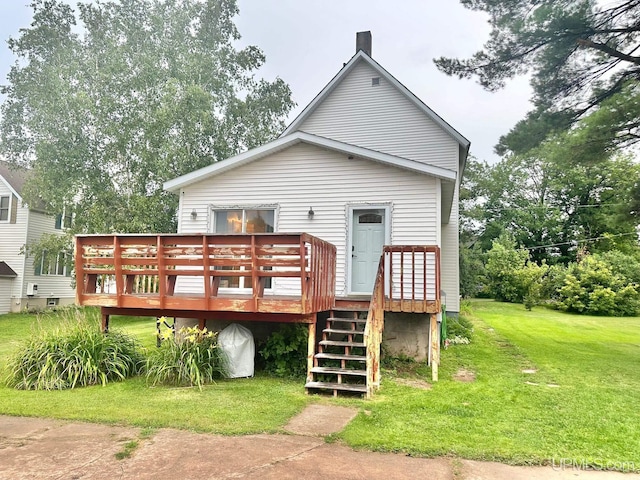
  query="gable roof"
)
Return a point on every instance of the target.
[
  {"x": 14, "y": 178},
  {"x": 302, "y": 137},
  {"x": 361, "y": 56}
]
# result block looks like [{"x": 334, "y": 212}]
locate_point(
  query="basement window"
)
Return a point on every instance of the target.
[{"x": 375, "y": 81}]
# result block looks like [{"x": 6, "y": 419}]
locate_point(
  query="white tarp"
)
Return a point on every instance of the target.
[{"x": 237, "y": 342}]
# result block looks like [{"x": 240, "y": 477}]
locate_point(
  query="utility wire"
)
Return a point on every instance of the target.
[
  {"x": 573, "y": 242},
  {"x": 546, "y": 207}
]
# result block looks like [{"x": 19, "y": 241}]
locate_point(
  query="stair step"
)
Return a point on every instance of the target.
[
  {"x": 339, "y": 371},
  {"x": 351, "y": 320},
  {"x": 345, "y": 331},
  {"x": 356, "y": 309},
  {"x": 341, "y": 356},
  {"x": 348, "y": 387},
  {"x": 335, "y": 343}
]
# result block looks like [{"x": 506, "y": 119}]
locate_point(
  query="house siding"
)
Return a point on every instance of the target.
[
  {"x": 304, "y": 176},
  {"x": 49, "y": 286},
  {"x": 12, "y": 238},
  {"x": 450, "y": 261},
  {"x": 28, "y": 227},
  {"x": 5, "y": 294},
  {"x": 381, "y": 118}
]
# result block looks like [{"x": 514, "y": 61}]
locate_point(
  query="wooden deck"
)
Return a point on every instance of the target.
[
  {"x": 264, "y": 277},
  {"x": 143, "y": 274}
]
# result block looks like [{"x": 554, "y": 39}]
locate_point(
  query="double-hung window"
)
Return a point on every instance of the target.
[
  {"x": 64, "y": 219},
  {"x": 53, "y": 265},
  {"x": 243, "y": 220}
]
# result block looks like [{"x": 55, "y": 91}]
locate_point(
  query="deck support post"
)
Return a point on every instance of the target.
[
  {"x": 105, "y": 320},
  {"x": 435, "y": 346},
  {"x": 311, "y": 347}
]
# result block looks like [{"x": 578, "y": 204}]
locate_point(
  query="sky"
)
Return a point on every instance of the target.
[{"x": 306, "y": 42}]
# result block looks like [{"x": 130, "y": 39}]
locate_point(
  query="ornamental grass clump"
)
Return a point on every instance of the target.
[
  {"x": 75, "y": 353},
  {"x": 192, "y": 357}
]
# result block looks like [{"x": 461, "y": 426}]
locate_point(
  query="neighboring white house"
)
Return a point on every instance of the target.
[
  {"x": 365, "y": 164},
  {"x": 23, "y": 284}
]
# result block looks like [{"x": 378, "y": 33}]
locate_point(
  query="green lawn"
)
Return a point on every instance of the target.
[
  {"x": 583, "y": 402},
  {"x": 237, "y": 406}
]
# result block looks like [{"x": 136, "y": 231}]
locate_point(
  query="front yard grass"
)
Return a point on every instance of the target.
[
  {"x": 582, "y": 402},
  {"x": 238, "y": 406}
]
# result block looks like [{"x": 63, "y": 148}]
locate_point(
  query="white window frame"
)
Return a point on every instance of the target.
[
  {"x": 66, "y": 219},
  {"x": 212, "y": 228},
  {"x": 59, "y": 262},
  {"x": 8, "y": 207}
]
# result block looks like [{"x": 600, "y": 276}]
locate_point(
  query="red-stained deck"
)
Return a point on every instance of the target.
[{"x": 138, "y": 274}]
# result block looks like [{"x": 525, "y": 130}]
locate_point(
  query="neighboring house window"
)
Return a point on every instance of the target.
[
  {"x": 5, "y": 208},
  {"x": 243, "y": 220},
  {"x": 64, "y": 219},
  {"x": 56, "y": 266}
]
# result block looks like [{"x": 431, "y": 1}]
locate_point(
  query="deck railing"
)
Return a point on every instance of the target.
[
  {"x": 142, "y": 271},
  {"x": 407, "y": 280},
  {"x": 412, "y": 278}
]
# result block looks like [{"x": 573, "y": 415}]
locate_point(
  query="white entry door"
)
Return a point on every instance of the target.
[{"x": 368, "y": 238}]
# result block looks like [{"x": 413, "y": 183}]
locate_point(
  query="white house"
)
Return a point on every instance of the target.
[
  {"x": 366, "y": 163},
  {"x": 23, "y": 284}
]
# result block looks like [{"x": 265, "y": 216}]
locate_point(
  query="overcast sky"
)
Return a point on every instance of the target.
[{"x": 306, "y": 42}]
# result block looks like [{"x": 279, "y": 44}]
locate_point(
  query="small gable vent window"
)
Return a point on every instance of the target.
[
  {"x": 375, "y": 81},
  {"x": 4, "y": 208},
  {"x": 370, "y": 218}
]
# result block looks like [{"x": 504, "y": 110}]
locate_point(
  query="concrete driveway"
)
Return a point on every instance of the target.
[{"x": 34, "y": 448}]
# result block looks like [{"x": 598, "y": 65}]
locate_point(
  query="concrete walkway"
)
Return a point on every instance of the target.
[{"x": 33, "y": 448}]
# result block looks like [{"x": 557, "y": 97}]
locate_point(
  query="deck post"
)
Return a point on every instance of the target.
[
  {"x": 311, "y": 347},
  {"x": 435, "y": 346},
  {"x": 105, "y": 320}
]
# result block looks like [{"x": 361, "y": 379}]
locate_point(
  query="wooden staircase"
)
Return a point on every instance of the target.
[
  {"x": 339, "y": 365},
  {"x": 347, "y": 359}
]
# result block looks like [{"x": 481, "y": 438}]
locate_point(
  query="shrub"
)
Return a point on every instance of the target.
[
  {"x": 552, "y": 282},
  {"x": 191, "y": 358},
  {"x": 503, "y": 261},
  {"x": 472, "y": 272},
  {"x": 459, "y": 326},
  {"x": 529, "y": 282},
  {"x": 513, "y": 277},
  {"x": 595, "y": 286},
  {"x": 285, "y": 351},
  {"x": 75, "y": 353}
]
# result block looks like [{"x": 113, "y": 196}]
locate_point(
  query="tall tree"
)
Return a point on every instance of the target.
[
  {"x": 551, "y": 205},
  {"x": 580, "y": 53},
  {"x": 107, "y": 102}
]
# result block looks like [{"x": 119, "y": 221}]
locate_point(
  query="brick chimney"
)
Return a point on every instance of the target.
[{"x": 363, "y": 42}]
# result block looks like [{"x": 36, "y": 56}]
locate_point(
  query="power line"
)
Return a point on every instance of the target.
[
  {"x": 580, "y": 241},
  {"x": 546, "y": 207}
]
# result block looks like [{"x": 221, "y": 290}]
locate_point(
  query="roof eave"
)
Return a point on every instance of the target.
[{"x": 285, "y": 142}]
